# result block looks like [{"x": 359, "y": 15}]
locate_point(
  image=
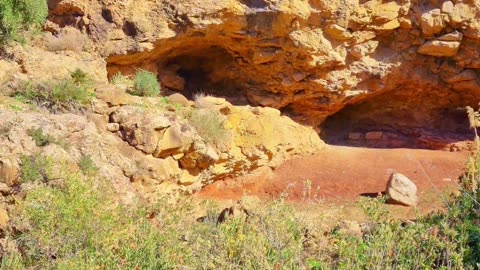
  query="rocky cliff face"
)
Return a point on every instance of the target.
[{"x": 395, "y": 66}]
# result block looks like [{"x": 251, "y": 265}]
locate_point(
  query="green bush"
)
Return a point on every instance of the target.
[
  {"x": 39, "y": 137},
  {"x": 35, "y": 168},
  {"x": 87, "y": 165},
  {"x": 70, "y": 94},
  {"x": 18, "y": 15},
  {"x": 145, "y": 84},
  {"x": 80, "y": 226}
]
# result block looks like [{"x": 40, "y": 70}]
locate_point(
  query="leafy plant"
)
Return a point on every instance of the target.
[
  {"x": 35, "y": 168},
  {"x": 146, "y": 84},
  {"x": 18, "y": 15},
  {"x": 80, "y": 226},
  {"x": 40, "y": 138},
  {"x": 87, "y": 165},
  {"x": 66, "y": 95}
]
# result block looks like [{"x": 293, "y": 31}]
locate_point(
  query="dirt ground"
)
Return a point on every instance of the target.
[{"x": 339, "y": 175}]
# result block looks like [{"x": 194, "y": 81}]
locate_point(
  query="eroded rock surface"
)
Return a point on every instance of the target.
[{"x": 311, "y": 59}]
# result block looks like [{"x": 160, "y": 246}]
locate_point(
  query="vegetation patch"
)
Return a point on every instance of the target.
[
  {"x": 40, "y": 138},
  {"x": 70, "y": 94},
  {"x": 210, "y": 125},
  {"x": 35, "y": 168},
  {"x": 18, "y": 15},
  {"x": 87, "y": 165},
  {"x": 145, "y": 83}
]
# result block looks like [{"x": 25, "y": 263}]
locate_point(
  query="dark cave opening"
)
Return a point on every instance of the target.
[
  {"x": 210, "y": 71},
  {"x": 403, "y": 119}
]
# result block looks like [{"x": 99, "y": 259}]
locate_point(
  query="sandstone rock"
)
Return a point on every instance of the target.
[
  {"x": 202, "y": 156},
  {"x": 179, "y": 99},
  {"x": 112, "y": 95},
  {"x": 113, "y": 127},
  {"x": 8, "y": 171},
  {"x": 432, "y": 22},
  {"x": 337, "y": 32},
  {"x": 154, "y": 171},
  {"x": 386, "y": 12},
  {"x": 453, "y": 36},
  {"x": 391, "y": 25},
  {"x": 374, "y": 135},
  {"x": 360, "y": 50},
  {"x": 447, "y": 7},
  {"x": 171, "y": 143},
  {"x": 362, "y": 36},
  {"x": 188, "y": 178},
  {"x": 4, "y": 218},
  {"x": 439, "y": 48},
  {"x": 402, "y": 190},
  {"x": 171, "y": 80}
]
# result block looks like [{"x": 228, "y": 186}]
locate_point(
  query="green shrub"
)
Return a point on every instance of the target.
[
  {"x": 70, "y": 94},
  {"x": 210, "y": 126},
  {"x": 35, "y": 168},
  {"x": 87, "y": 165},
  {"x": 18, "y": 15},
  {"x": 270, "y": 238},
  {"x": 145, "y": 84},
  {"x": 40, "y": 138},
  {"x": 80, "y": 226}
]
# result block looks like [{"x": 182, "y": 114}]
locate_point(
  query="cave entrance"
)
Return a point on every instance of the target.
[
  {"x": 433, "y": 119},
  {"x": 210, "y": 71}
]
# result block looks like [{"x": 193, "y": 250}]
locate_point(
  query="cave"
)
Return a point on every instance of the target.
[
  {"x": 211, "y": 71},
  {"x": 406, "y": 118}
]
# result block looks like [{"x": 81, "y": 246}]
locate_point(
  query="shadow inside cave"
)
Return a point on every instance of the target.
[
  {"x": 403, "y": 119},
  {"x": 208, "y": 71}
]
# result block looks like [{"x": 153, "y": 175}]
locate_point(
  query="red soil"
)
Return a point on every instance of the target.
[{"x": 344, "y": 173}]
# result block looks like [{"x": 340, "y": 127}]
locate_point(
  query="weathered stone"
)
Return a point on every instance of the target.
[
  {"x": 453, "y": 36},
  {"x": 171, "y": 80},
  {"x": 4, "y": 218},
  {"x": 112, "y": 95},
  {"x": 402, "y": 190},
  {"x": 439, "y": 48},
  {"x": 432, "y": 22},
  {"x": 188, "y": 179},
  {"x": 171, "y": 143},
  {"x": 179, "y": 99},
  {"x": 8, "y": 171},
  {"x": 113, "y": 127},
  {"x": 447, "y": 7},
  {"x": 337, "y": 32},
  {"x": 386, "y": 12}
]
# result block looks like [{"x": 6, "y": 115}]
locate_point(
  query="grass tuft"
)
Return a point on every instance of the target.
[{"x": 145, "y": 83}]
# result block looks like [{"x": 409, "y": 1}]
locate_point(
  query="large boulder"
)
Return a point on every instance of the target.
[{"x": 402, "y": 190}]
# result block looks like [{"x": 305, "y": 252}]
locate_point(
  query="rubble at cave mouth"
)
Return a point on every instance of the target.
[{"x": 403, "y": 119}]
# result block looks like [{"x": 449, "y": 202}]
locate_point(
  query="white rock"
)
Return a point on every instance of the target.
[{"x": 402, "y": 190}]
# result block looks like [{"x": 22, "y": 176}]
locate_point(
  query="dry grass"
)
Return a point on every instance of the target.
[{"x": 69, "y": 39}]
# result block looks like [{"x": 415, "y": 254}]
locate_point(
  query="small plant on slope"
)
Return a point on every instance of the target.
[{"x": 145, "y": 84}]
